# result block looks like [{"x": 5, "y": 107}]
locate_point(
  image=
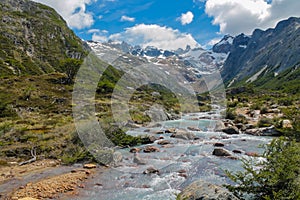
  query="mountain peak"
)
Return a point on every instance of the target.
[{"x": 224, "y": 45}]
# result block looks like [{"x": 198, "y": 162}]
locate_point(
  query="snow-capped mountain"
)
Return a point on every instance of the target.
[
  {"x": 190, "y": 63},
  {"x": 199, "y": 60}
]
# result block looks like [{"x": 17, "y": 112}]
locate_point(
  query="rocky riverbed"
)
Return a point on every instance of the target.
[{"x": 187, "y": 156}]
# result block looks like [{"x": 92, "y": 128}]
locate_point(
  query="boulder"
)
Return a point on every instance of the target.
[
  {"x": 266, "y": 131},
  {"x": 286, "y": 123},
  {"x": 191, "y": 128},
  {"x": 219, "y": 144},
  {"x": 241, "y": 126},
  {"x": 221, "y": 152},
  {"x": 134, "y": 150},
  {"x": 170, "y": 130},
  {"x": 205, "y": 191},
  {"x": 237, "y": 151},
  {"x": 163, "y": 142},
  {"x": 150, "y": 149},
  {"x": 183, "y": 134},
  {"x": 151, "y": 170},
  {"x": 138, "y": 160},
  {"x": 231, "y": 130},
  {"x": 89, "y": 166},
  {"x": 219, "y": 125}
]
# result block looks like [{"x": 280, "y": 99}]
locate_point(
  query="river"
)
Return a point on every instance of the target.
[{"x": 179, "y": 163}]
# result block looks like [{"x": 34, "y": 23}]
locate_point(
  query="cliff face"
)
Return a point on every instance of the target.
[
  {"x": 274, "y": 50},
  {"x": 34, "y": 38}
]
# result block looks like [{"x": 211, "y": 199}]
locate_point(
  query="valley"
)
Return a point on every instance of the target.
[{"x": 153, "y": 123}]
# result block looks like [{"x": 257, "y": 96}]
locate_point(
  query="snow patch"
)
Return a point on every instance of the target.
[{"x": 255, "y": 76}]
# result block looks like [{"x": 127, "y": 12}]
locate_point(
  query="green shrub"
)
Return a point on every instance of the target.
[
  {"x": 276, "y": 177},
  {"x": 255, "y": 106},
  {"x": 264, "y": 110},
  {"x": 265, "y": 122},
  {"x": 230, "y": 114}
]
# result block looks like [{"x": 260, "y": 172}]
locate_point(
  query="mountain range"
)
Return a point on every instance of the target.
[{"x": 34, "y": 39}]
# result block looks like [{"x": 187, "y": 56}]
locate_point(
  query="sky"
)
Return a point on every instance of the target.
[{"x": 170, "y": 24}]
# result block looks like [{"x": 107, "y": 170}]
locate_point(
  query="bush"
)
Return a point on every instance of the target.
[
  {"x": 275, "y": 177},
  {"x": 265, "y": 122},
  {"x": 70, "y": 67},
  {"x": 230, "y": 114},
  {"x": 264, "y": 110},
  {"x": 255, "y": 106}
]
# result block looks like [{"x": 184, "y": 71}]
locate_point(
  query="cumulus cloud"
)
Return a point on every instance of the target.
[
  {"x": 155, "y": 35},
  {"x": 73, "y": 11},
  {"x": 128, "y": 19},
  {"x": 186, "y": 18},
  {"x": 236, "y": 16},
  {"x": 98, "y": 35}
]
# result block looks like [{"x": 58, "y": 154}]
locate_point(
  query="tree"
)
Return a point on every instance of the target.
[
  {"x": 274, "y": 178},
  {"x": 70, "y": 67}
]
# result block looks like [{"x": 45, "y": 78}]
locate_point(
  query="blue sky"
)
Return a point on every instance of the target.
[{"x": 170, "y": 24}]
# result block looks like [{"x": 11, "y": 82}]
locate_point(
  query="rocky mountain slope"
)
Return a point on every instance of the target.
[
  {"x": 264, "y": 53},
  {"x": 188, "y": 66},
  {"x": 33, "y": 38}
]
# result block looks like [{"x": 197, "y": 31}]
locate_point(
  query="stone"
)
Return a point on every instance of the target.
[
  {"x": 138, "y": 160},
  {"x": 150, "y": 149},
  {"x": 89, "y": 166},
  {"x": 219, "y": 125},
  {"x": 191, "y": 128},
  {"x": 152, "y": 138},
  {"x": 151, "y": 170},
  {"x": 219, "y": 144},
  {"x": 249, "y": 126},
  {"x": 252, "y": 154},
  {"x": 182, "y": 134},
  {"x": 28, "y": 198},
  {"x": 286, "y": 123},
  {"x": 205, "y": 191},
  {"x": 170, "y": 130},
  {"x": 231, "y": 130},
  {"x": 241, "y": 126},
  {"x": 159, "y": 132},
  {"x": 134, "y": 150},
  {"x": 237, "y": 151},
  {"x": 266, "y": 131},
  {"x": 221, "y": 152},
  {"x": 163, "y": 142}
]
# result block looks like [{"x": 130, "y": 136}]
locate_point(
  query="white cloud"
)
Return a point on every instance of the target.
[
  {"x": 236, "y": 16},
  {"x": 126, "y": 18},
  {"x": 155, "y": 35},
  {"x": 97, "y": 31},
  {"x": 73, "y": 11},
  {"x": 186, "y": 18},
  {"x": 99, "y": 37}
]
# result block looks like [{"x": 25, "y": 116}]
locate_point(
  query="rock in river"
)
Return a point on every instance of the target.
[
  {"x": 221, "y": 152},
  {"x": 150, "y": 149},
  {"x": 205, "y": 191},
  {"x": 231, "y": 130},
  {"x": 185, "y": 135},
  {"x": 151, "y": 170}
]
